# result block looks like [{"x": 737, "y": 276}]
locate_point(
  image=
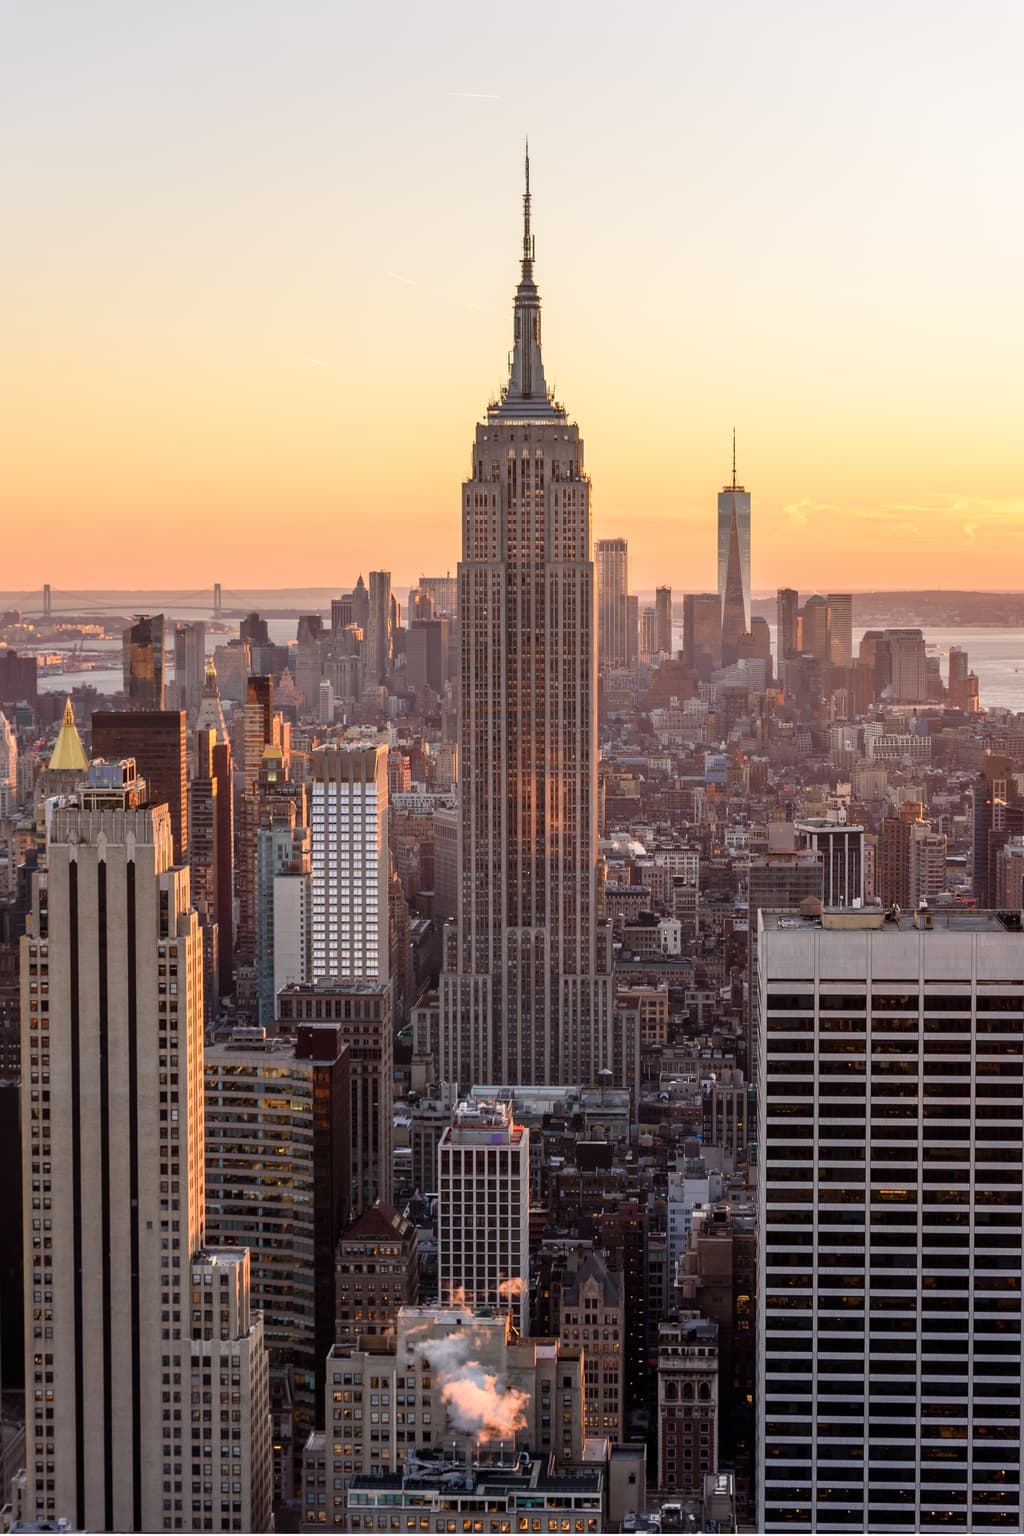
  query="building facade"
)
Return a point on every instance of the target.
[
  {"x": 889, "y": 1224},
  {"x": 132, "y": 1312}
]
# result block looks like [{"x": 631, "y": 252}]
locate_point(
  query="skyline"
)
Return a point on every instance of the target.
[{"x": 259, "y": 281}]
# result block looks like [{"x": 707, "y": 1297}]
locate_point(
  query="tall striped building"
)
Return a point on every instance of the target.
[{"x": 526, "y": 991}]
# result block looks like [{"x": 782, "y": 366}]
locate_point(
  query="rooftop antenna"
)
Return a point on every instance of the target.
[{"x": 734, "y": 458}]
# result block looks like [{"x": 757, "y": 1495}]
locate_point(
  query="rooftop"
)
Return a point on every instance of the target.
[{"x": 881, "y": 920}]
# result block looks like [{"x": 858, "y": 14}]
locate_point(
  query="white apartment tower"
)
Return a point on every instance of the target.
[
  {"x": 483, "y": 1211},
  {"x": 350, "y": 863},
  {"x": 135, "y": 1329},
  {"x": 890, "y": 1262},
  {"x": 526, "y": 993}
]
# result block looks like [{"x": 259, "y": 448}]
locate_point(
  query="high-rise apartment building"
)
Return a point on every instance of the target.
[
  {"x": 212, "y": 852},
  {"x": 142, "y": 660},
  {"x": 526, "y": 994},
  {"x": 189, "y": 665},
  {"x": 156, "y": 739},
  {"x": 733, "y": 563},
  {"x": 687, "y": 1404},
  {"x": 277, "y": 1183},
  {"x": 138, "y": 1327},
  {"x": 483, "y": 1211},
  {"x": 663, "y": 631},
  {"x": 350, "y": 862},
  {"x": 611, "y": 572},
  {"x": 592, "y": 1315},
  {"x": 890, "y": 1254}
]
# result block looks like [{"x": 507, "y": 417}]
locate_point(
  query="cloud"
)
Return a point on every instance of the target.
[
  {"x": 409, "y": 281},
  {"x": 474, "y": 95}
]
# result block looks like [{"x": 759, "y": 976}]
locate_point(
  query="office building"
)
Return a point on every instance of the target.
[
  {"x": 378, "y": 648},
  {"x": 889, "y": 1223},
  {"x": 376, "y": 1274},
  {"x": 840, "y": 628},
  {"x": 702, "y": 633},
  {"x": 648, "y": 636},
  {"x": 611, "y": 572},
  {"x": 156, "y": 739},
  {"x": 18, "y": 678},
  {"x": 908, "y": 660},
  {"x": 277, "y": 1183},
  {"x": 687, "y": 1404},
  {"x": 142, "y": 660},
  {"x": 132, "y": 1309},
  {"x": 426, "y": 654},
  {"x": 780, "y": 880},
  {"x": 189, "y": 666},
  {"x": 663, "y": 629},
  {"x": 733, "y": 563},
  {"x": 841, "y": 847},
  {"x": 350, "y": 863},
  {"x": 526, "y": 987},
  {"x": 362, "y": 1010},
  {"x": 815, "y": 638},
  {"x": 483, "y": 1211}
]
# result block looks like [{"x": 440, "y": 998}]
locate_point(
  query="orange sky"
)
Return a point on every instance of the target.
[{"x": 260, "y": 270}]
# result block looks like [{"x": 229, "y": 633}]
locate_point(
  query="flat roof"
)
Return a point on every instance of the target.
[{"x": 878, "y": 920}]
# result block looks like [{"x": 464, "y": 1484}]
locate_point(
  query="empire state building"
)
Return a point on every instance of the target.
[{"x": 526, "y": 990}]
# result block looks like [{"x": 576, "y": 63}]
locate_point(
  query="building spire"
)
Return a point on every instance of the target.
[
  {"x": 734, "y": 458},
  {"x": 526, "y": 393},
  {"x": 528, "y": 245}
]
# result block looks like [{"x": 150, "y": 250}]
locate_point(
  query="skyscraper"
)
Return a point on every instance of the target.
[
  {"x": 663, "y": 608},
  {"x": 733, "y": 562},
  {"x": 611, "y": 566},
  {"x": 787, "y": 609},
  {"x": 909, "y": 661},
  {"x": 526, "y": 992},
  {"x": 155, "y": 738},
  {"x": 702, "y": 632},
  {"x": 889, "y": 1226},
  {"x": 189, "y": 665},
  {"x": 378, "y": 627},
  {"x": 350, "y": 863},
  {"x": 142, "y": 659},
  {"x": 130, "y": 1301},
  {"x": 840, "y": 628}
]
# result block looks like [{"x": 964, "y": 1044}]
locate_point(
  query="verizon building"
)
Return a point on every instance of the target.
[{"x": 890, "y": 1232}]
